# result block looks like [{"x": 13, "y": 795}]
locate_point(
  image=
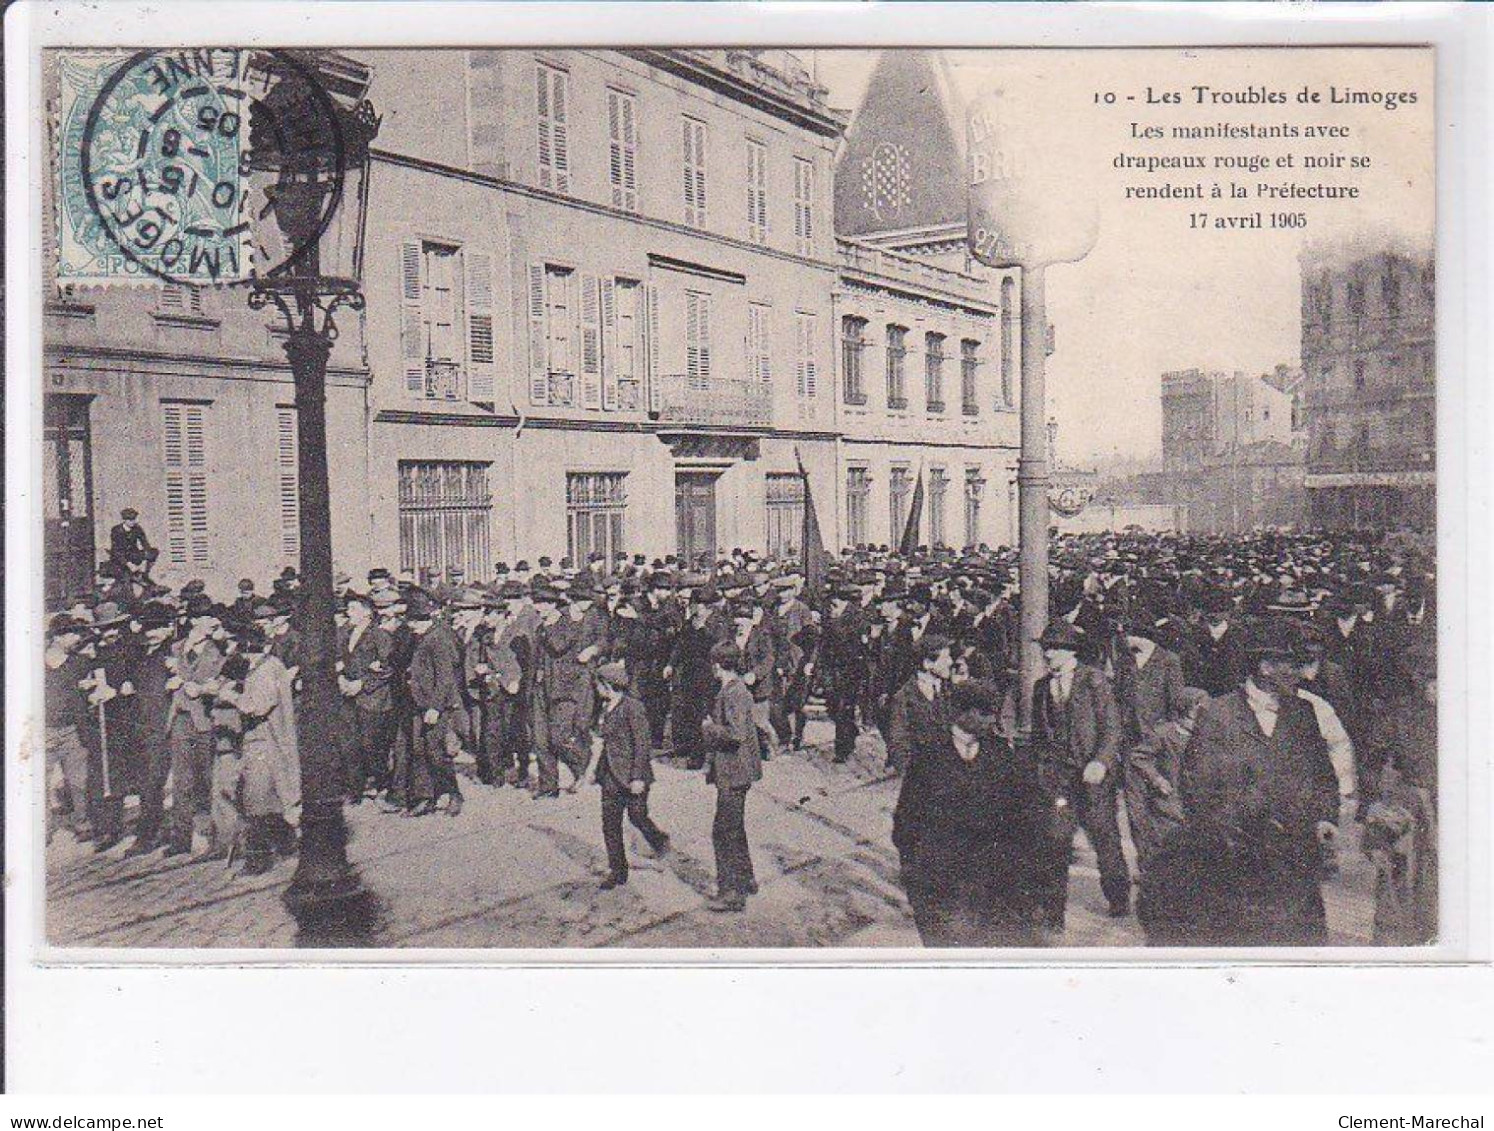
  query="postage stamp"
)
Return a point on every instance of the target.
[{"x": 152, "y": 167}]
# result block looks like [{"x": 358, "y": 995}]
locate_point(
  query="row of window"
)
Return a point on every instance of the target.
[
  {"x": 624, "y": 138},
  {"x": 900, "y": 491},
  {"x": 854, "y": 345},
  {"x": 1357, "y": 289},
  {"x": 589, "y": 335}
]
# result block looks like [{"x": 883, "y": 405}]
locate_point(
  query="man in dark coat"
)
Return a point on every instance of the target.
[
  {"x": 660, "y": 619},
  {"x": 1220, "y": 650},
  {"x": 108, "y": 724},
  {"x": 735, "y": 762},
  {"x": 435, "y": 680},
  {"x": 623, "y": 748},
  {"x": 1077, "y": 728},
  {"x": 365, "y": 665},
  {"x": 567, "y": 645},
  {"x": 842, "y": 666},
  {"x": 1260, "y": 798},
  {"x": 971, "y": 830},
  {"x": 130, "y": 553},
  {"x": 691, "y": 681},
  {"x": 918, "y": 714}
]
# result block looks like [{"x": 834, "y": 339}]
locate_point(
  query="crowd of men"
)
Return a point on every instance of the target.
[{"x": 1233, "y": 696}]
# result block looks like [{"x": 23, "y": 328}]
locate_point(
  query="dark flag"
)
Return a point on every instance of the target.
[
  {"x": 909, "y": 544},
  {"x": 816, "y": 560}
]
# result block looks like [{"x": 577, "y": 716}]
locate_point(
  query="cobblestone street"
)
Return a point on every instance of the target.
[{"x": 511, "y": 871}]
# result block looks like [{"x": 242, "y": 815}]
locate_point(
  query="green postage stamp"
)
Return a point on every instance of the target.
[{"x": 151, "y": 158}]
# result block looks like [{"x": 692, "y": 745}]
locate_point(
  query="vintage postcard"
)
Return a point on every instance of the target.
[{"x": 738, "y": 500}]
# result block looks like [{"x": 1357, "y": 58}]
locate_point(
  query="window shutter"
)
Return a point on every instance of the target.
[
  {"x": 197, "y": 502},
  {"x": 591, "y": 344},
  {"x": 558, "y": 110},
  {"x": 800, "y": 379},
  {"x": 539, "y": 376},
  {"x": 482, "y": 367},
  {"x": 689, "y": 163},
  {"x": 290, "y": 507},
  {"x": 542, "y": 111},
  {"x": 176, "y": 486},
  {"x": 615, "y": 147},
  {"x": 630, "y": 156},
  {"x": 700, "y": 175},
  {"x": 186, "y": 469},
  {"x": 411, "y": 320},
  {"x": 811, "y": 363},
  {"x": 808, "y": 206},
  {"x": 654, "y": 397},
  {"x": 609, "y": 345}
]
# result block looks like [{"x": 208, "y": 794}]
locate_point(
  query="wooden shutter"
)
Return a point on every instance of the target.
[
  {"x": 609, "y": 345},
  {"x": 559, "y": 100},
  {"x": 176, "y": 486},
  {"x": 411, "y": 317},
  {"x": 591, "y": 344},
  {"x": 695, "y": 176},
  {"x": 799, "y": 356},
  {"x": 630, "y": 156},
  {"x": 539, "y": 374},
  {"x": 285, "y": 463},
  {"x": 482, "y": 365},
  {"x": 655, "y": 393},
  {"x": 622, "y": 171},
  {"x": 542, "y": 114},
  {"x": 185, "y": 428}
]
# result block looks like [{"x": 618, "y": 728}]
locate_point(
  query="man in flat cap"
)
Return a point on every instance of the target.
[
  {"x": 131, "y": 555},
  {"x": 623, "y": 750}
]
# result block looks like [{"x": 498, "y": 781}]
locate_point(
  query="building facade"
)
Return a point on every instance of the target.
[
  {"x": 613, "y": 286},
  {"x": 930, "y": 340},
  {"x": 178, "y": 402},
  {"x": 1368, "y": 357},
  {"x": 607, "y": 312}
]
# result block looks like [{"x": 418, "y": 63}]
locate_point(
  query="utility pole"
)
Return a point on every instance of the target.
[
  {"x": 1017, "y": 219},
  {"x": 1032, "y": 489}
]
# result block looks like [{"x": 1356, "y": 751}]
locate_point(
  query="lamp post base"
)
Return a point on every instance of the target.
[{"x": 326, "y": 896}]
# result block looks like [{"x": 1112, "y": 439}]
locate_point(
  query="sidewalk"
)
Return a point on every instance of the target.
[{"x": 511, "y": 871}]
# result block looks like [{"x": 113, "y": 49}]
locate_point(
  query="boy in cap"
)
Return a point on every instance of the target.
[{"x": 623, "y": 749}]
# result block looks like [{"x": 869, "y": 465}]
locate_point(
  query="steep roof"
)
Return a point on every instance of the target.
[{"x": 903, "y": 165}]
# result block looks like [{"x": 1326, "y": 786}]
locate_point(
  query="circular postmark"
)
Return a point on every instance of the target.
[{"x": 213, "y": 166}]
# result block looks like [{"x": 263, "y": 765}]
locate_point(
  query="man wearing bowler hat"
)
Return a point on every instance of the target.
[
  {"x": 1077, "y": 727},
  {"x": 1260, "y": 799}
]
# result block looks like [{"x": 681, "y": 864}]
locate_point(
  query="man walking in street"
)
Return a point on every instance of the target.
[
  {"x": 1077, "y": 727},
  {"x": 623, "y": 748},
  {"x": 734, "y": 763}
]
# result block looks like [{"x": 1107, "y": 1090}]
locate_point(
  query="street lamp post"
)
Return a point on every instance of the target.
[
  {"x": 313, "y": 180},
  {"x": 1019, "y": 217}
]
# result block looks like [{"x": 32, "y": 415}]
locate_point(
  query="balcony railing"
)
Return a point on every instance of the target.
[
  {"x": 909, "y": 269},
  {"x": 727, "y": 402}
]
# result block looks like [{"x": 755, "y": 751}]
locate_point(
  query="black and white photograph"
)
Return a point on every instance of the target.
[{"x": 736, "y": 499}]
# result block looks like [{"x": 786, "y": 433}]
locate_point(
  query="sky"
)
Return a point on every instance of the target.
[{"x": 1154, "y": 295}]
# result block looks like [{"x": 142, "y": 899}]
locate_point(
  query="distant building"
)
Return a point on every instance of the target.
[
  {"x": 1232, "y": 453},
  {"x": 1368, "y": 355}
]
